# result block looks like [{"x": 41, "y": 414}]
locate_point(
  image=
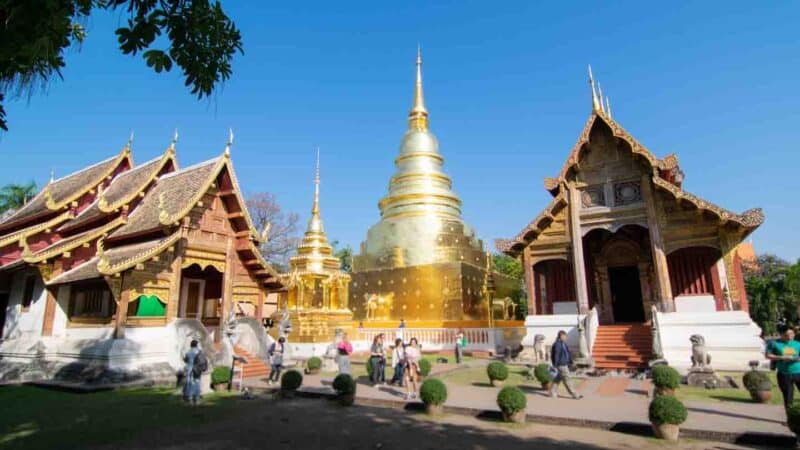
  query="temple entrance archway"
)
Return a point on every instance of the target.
[
  {"x": 201, "y": 294},
  {"x": 626, "y": 294}
]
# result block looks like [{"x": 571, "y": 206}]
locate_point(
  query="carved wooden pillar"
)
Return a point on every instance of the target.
[
  {"x": 663, "y": 289},
  {"x": 260, "y": 298},
  {"x": 124, "y": 294},
  {"x": 227, "y": 288},
  {"x": 175, "y": 281},
  {"x": 530, "y": 283},
  {"x": 51, "y": 302},
  {"x": 729, "y": 240},
  {"x": 578, "y": 265}
]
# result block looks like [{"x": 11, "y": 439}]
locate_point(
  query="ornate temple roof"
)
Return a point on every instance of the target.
[
  {"x": 666, "y": 175},
  {"x": 68, "y": 244},
  {"x": 124, "y": 189},
  {"x": 20, "y": 235},
  {"x": 58, "y": 194}
]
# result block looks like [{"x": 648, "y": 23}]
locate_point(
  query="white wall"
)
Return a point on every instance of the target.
[
  {"x": 18, "y": 322},
  {"x": 550, "y": 325}
]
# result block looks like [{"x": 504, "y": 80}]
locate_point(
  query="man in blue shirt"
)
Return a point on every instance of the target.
[
  {"x": 785, "y": 352},
  {"x": 561, "y": 358}
]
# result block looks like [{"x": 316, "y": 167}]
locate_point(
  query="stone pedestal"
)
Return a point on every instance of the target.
[{"x": 703, "y": 377}]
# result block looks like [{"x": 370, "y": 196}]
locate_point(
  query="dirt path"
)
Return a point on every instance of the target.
[{"x": 306, "y": 424}]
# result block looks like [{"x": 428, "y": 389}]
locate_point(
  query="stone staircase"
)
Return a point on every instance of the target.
[
  {"x": 254, "y": 367},
  {"x": 622, "y": 347}
]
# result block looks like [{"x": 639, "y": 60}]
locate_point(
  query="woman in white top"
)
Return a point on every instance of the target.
[
  {"x": 413, "y": 356},
  {"x": 398, "y": 362}
]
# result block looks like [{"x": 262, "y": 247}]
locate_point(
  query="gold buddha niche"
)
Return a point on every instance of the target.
[
  {"x": 317, "y": 288},
  {"x": 420, "y": 262}
]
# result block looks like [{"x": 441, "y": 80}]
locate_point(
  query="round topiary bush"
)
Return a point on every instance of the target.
[
  {"x": 314, "y": 363},
  {"x": 425, "y": 367},
  {"x": 433, "y": 392},
  {"x": 497, "y": 371},
  {"x": 793, "y": 418},
  {"x": 666, "y": 409},
  {"x": 291, "y": 380},
  {"x": 755, "y": 380},
  {"x": 220, "y": 375},
  {"x": 542, "y": 373},
  {"x": 665, "y": 378},
  {"x": 512, "y": 403},
  {"x": 344, "y": 384}
]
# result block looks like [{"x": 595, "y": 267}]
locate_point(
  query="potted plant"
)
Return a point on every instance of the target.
[
  {"x": 512, "y": 403},
  {"x": 542, "y": 374},
  {"x": 345, "y": 388},
  {"x": 313, "y": 365},
  {"x": 759, "y": 386},
  {"x": 291, "y": 380},
  {"x": 433, "y": 394},
  {"x": 425, "y": 367},
  {"x": 665, "y": 379},
  {"x": 497, "y": 372},
  {"x": 666, "y": 414},
  {"x": 793, "y": 418},
  {"x": 220, "y": 377}
]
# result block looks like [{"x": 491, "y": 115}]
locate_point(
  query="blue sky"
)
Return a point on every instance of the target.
[{"x": 505, "y": 83}]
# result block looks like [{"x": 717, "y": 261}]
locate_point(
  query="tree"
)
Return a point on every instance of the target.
[
  {"x": 199, "y": 38},
  {"x": 13, "y": 196},
  {"x": 345, "y": 255},
  {"x": 283, "y": 236},
  {"x": 512, "y": 268},
  {"x": 773, "y": 293}
]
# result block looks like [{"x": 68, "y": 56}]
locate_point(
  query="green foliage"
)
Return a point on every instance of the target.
[
  {"x": 497, "y": 371},
  {"x": 425, "y": 367},
  {"x": 542, "y": 373},
  {"x": 197, "y": 36},
  {"x": 667, "y": 409},
  {"x": 14, "y": 196},
  {"x": 511, "y": 399},
  {"x": 220, "y": 375},
  {"x": 291, "y": 380},
  {"x": 314, "y": 363},
  {"x": 511, "y": 267},
  {"x": 793, "y": 418},
  {"x": 345, "y": 255},
  {"x": 344, "y": 384},
  {"x": 665, "y": 377},
  {"x": 756, "y": 380},
  {"x": 433, "y": 392},
  {"x": 773, "y": 292}
]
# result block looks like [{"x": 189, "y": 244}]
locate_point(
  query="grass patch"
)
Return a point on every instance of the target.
[
  {"x": 727, "y": 394},
  {"x": 476, "y": 376},
  {"x": 34, "y": 417}
]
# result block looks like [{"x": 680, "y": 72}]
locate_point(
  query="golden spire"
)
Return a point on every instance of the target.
[
  {"x": 315, "y": 223},
  {"x": 418, "y": 116},
  {"x": 595, "y": 102}
]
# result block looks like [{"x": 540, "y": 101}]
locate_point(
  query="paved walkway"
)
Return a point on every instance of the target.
[{"x": 609, "y": 400}]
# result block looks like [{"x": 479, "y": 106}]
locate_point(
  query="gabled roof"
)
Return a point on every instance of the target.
[
  {"x": 749, "y": 219},
  {"x": 70, "y": 243},
  {"x": 123, "y": 189},
  {"x": 59, "y": 193},
  {"x": 19, "y": 236}
]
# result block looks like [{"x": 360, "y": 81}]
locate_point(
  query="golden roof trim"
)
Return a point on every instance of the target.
[
  {"x": 53, "y": 205},
  {"x": 102, "y": 205},
  {"x": 50, "y": 252},
  {"x": 23, "y": 234},
  {"x": 105, "y": 268}
]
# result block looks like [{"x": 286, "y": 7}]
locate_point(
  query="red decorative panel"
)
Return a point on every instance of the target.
[
  {"x": 690, "y": 272},
  {"x": 559, "y": 283}
]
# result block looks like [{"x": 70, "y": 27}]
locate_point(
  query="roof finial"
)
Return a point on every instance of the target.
[
  {"x": 52, "y": 174},
  {"x": 600, "y": 96},
  {"x": 174, "y": 140},
  {"x": 130, "y": 141},
  {"x": 595, "y": 102},
  {"x": 608, "y": 107},
  {"x": 315, "y": 207},
  {"x": 229, "y": 143},
  {"x": 418, "y": 116}
]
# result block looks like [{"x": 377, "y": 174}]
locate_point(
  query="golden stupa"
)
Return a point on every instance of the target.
[
  {"x": 316, "y": 296},
  {"x": 421, "y": 262}
]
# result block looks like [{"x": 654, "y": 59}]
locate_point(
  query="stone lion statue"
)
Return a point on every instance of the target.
[
  {"x": 540, "y": 350},
  {"x": 700, "y": 357}
]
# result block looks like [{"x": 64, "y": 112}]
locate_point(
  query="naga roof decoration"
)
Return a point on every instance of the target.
[
  {"x": 124, "y": 189},
  {"x": 60, "y": 193},
  {"x": 68, "y": 244},
  {"x": 20, "y": 236}
]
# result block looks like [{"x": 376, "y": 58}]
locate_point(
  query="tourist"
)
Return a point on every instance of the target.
[
  {"x": 562, "y": 359},
  {"x": 398, "y": 362},
  {"x": 401, "y": 329},
  {"x": 276, "y": 353},
  {"x": 377, "y": 359},
  {"x": 784, "y": 352},
  {"x": 344, "y": 350},
  {"x": 412, "y": 355},
  {"x": 461, "y": 342},
  {"x": 196, "y": 364}
]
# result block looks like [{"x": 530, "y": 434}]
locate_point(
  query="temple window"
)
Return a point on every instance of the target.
[{"x": 91, "y": 300}]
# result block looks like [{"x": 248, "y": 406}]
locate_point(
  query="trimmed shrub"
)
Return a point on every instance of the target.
[
  {"x": 344, "y": 384},
  {"x": 425, "y": 367},
  {"x": 291, "y": 380},
  {"x": 220, "y": 375},
  {"x": 542, "y": 373},
  {"x": 793, "y": 418},
  {"x": 497, "y": 371},
  {"x": 433, "y": 392},
  {"x": 511, "y": 400},
  {"x": 667, "y": 409},
  {"x": 314, "y": 363},
  {"x": 755, "y": 380},
  {"x": 370, "y": 369},
  {"x": 665, "y": 377}
]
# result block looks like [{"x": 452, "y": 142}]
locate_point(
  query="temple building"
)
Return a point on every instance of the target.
[
  {"x": 316, "y": 294},
  {"x": 117, "y": 265},
  {"x": 421, "y": 262},
  {"x": 624, "y": 244}
]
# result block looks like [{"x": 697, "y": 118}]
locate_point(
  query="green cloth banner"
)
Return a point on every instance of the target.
[{"x": 150, "y": 306}]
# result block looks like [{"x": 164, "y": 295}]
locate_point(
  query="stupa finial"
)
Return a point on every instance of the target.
[
  {"x": 418, "y": 116},
  {"x": 595, "y": 101},
  {"x": 315, "y": 207}
]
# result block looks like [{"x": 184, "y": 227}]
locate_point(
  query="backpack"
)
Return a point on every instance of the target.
[{"x": 200, "y": 365}]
